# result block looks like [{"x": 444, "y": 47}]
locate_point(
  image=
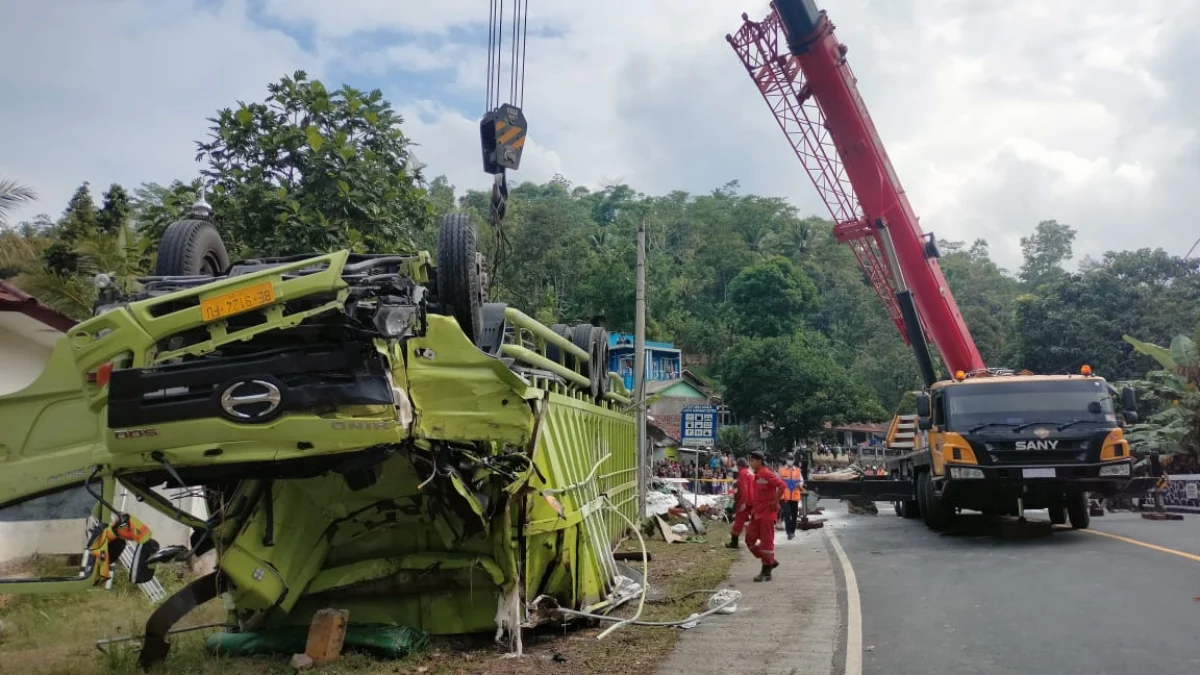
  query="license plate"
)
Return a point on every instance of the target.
[
  {"x": 235, "y": 302},
  {"x": 1038, "y": 473}
]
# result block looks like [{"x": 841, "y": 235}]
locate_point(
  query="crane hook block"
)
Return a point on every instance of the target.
[{"x": 502, "y": 134}]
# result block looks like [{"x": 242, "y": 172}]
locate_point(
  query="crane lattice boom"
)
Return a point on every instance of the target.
[{"x": 801, "y": 71}]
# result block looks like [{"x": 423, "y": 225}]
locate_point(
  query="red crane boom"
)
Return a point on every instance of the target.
[{"x": 813, "y": 93}]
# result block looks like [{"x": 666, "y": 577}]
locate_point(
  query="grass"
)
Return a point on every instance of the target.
[{"x": 56, "y": 634}]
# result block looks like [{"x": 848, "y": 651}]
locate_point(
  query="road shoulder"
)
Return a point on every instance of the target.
[{"x": 790, "y": 625}]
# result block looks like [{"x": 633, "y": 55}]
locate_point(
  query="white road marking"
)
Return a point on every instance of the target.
[{"x": 853, "y": 610}]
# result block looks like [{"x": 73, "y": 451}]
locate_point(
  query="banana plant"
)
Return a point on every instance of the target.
[{"x": 1174, "y": 391}]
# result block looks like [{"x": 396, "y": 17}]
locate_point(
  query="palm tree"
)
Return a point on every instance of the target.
[{"x": 12, "y": 195}]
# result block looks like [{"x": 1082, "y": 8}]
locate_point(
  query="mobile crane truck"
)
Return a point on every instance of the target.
[{"x": 987, "y": 439}]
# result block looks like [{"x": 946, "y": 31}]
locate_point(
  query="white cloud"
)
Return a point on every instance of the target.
[
  {"x": 996, "y": 115},
  {"x": 118, "y": 91}
]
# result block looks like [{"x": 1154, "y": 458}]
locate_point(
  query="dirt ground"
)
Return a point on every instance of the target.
[{"x": 56, "y": 634}]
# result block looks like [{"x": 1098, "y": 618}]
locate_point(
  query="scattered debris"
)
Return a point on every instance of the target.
[
  {"x": 327, "y": 634},
  {"x": 861, "y": 507},
  {"x": 301, "y": 662},
  {"x": 1161, "y": 515},
  {"x": 725, "y": 600}
]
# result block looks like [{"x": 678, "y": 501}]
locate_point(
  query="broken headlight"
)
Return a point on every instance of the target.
[{"x": 396, "y": 321}]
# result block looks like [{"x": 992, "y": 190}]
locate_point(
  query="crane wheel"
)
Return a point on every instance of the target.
[
  {"x": 936, "y": 511},
  {"x": 1078, "y": 512}
]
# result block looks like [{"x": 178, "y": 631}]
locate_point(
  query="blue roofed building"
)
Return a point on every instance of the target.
[{"x": 663, "y": 361}]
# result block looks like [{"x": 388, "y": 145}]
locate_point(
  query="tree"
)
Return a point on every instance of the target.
[
  {"x": 734, "y": 440},
  {"x": 12, "y": 195},
  {"x": 314, "y": 170},
  {"x": 795, "y": 385},
  {"x": 1174, "y": 390},
  {"x": 769, "y": 299},
  {"x": 80, "y": 217},
  {"x": 116, "y": 211},
  {"x": 1045, "y": 251},
  {"x": 155, "y": 207},
  {"x": 79, "y": 220}
]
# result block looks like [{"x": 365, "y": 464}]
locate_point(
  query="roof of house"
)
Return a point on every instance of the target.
[
  {"x": 625, "y": 341},
  {"x": 13, "y": 299},
  {"x": 694, "y": 382},
  {"x": 667, "y": 426}
]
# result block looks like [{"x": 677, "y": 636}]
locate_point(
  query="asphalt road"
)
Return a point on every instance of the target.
[{"x": 981, "y": 604}]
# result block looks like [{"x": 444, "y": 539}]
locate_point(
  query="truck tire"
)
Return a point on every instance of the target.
[
  {"x": 601, "y": 360},
  {"x": 553, "y": 352},
  {"x": 594, "y": 341},
  {"x": 459, "y": 284},
  {"x": 910, "y": 508},
  {"x": 1077, "y": 511},
  {"x": 922, "y": 505},
  {"x": 938, "y": 514},
  {"x": 1058, "y": 515},
  {"x": 191, "y": 248}
]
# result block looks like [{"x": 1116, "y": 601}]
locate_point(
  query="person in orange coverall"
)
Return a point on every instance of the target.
[
  {"x": 742, "y": 497},
  {"x": 760, "y": 535}
]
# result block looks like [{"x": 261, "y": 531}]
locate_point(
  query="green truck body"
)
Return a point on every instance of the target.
[{"x": 357, "y": 449}]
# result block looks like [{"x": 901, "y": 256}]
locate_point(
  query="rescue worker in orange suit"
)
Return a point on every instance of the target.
[
  {"x": 760, "y": 534},
  {"x": 793, "y": 477},
  {"x": 743, "y": 493}
]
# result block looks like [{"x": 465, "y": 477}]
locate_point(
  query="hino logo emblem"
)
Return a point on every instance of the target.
[
  {"x": 257, "y": 401},
  {"x": 1041, "y": 432}
]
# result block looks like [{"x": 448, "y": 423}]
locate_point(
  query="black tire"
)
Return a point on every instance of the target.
[
  {"x": 898, "y": 507},
  {"x": 600, "y": 359},
  {"x": 553, "y": 352},
  {"x": 1058, "y": 515},
  {"x": 911, "y": 508},
  {"x": 1078, "y": 512},
  {"x": 191, "y": 248},
  {"x": 922, "y": 505},
  {"x": 585, "y": 336},
  {"x": 937, "y": 513},
  {"x": 459, "y": 282}
]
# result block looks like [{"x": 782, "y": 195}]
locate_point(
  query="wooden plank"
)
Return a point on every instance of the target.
[{"x": 327, "y": 634}]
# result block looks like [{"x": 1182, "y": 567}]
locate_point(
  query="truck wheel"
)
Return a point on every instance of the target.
[
  {"x": 601, "y": 360},
  {"x": 937, "y": 512},
  {"x": 922, "y": 505},
  {"x": 553, "y": 352},
  {"x": 1077, "y": 511},
  {"x": 899, "y": 507},
  {"x": 1058, "y": 515},
  {"x": 459, "y": 283},
  {"x": 191, "y": 248},
  {"x": 594, "y": 341}
]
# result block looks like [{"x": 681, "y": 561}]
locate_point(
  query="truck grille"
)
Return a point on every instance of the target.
[{"x": 311, "y": 379}]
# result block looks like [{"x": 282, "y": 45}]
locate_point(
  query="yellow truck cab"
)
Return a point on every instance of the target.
[{"x": 1000, "y": 443}]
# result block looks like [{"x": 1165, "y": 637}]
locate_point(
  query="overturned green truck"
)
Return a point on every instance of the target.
[{"x": 367, "y": 432}]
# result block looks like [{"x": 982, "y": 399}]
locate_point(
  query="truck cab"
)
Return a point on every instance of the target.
[{"x": 1003, "y": 443}]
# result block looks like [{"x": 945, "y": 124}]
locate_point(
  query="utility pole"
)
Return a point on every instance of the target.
[{"x": 639, "y": 368}]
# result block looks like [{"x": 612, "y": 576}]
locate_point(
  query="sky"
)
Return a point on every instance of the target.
[{"x": 996, "y": 113}]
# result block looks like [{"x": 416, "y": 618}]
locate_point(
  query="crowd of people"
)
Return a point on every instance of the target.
[{"x": 718, "y": 470}]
